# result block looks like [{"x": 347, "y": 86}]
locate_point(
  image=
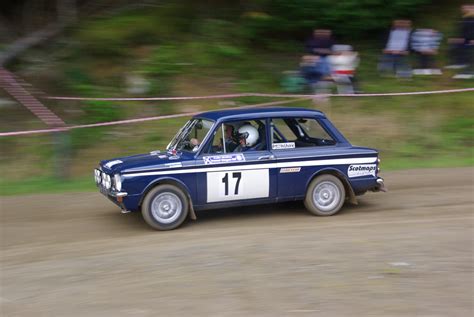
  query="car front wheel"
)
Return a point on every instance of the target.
[
  {"x": 325, "y": 195},
  {"x": 165, "y": 207}
]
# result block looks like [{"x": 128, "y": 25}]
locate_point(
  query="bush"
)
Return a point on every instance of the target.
[{"x": 283, "y": 18}]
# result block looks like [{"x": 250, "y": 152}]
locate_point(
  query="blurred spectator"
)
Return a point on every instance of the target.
[
  {"x": 313, "y": 70},
  {"x": 293, "y": 81},
  {"x": 462, "y": 48},
  {"x": 320, "y": 45},
  {"x": 425, "y": 43},
  {"x": 396, "y": 50},
  {"x": 344, "y": 62}
]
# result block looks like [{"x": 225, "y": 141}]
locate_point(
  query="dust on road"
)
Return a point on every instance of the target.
[{"x": 402, "y": 253}]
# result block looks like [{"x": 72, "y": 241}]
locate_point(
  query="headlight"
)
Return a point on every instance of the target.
[
  {"x": 108, "y": 181},
  {"x": 97, "y": 176},
  {"x": 118, "y": 182}
]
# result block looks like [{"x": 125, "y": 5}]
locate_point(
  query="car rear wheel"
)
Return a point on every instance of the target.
[
  {"x": 325, "y": 195},
  {"x": 165, "y": 207}
]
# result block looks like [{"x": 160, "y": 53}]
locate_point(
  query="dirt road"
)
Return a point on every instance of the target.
[{"x": 403, "y": 253}]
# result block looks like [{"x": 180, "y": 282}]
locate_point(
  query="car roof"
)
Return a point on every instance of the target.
[{"x": 249, "y": 113}]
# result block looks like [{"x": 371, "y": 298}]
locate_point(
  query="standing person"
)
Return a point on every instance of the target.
[
  {"x": 462, "y": 48},
  {"x": 425, "y": 43},
  {"x": 396, "y": 49},
  {"x": 344, "y": 62},
  {"x": 320, "y": 45},
  {"x": 309, "y": 69}
]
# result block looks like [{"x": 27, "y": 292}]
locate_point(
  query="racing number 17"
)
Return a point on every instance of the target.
[{"x": 225, "y": 180}]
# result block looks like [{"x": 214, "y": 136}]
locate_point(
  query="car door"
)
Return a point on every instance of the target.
[
  {"x": 231, "y": 177},
  {"x": 297, "y": 153}
]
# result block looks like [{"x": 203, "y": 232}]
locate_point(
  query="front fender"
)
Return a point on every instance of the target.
[{"x": 171, "y": 181}]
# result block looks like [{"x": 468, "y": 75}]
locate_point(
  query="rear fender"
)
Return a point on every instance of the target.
[{"x": 350, "y": 195}]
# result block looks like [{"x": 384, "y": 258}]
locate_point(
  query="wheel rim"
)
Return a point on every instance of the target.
[
  {"x": 166, "y": 207},
  {"x": 326, "y": 196}
]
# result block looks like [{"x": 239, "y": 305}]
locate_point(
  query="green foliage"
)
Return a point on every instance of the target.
[
  {"x": 220, "y": 39},
  {"x": 94, "y": 111},
  {"x": 164, "y": 61},
  {"x": 283, "y": 18},
  {"x": 112, "y": 36},
  {"x": 459, "y": 132},
  {"x": 45, "y": 185}
]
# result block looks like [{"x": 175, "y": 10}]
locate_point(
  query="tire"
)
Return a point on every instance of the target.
[
  {"x": 325, "y": 195},
  {"x": 165, "y": 207}
]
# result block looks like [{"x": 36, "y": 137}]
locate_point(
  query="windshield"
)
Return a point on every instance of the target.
[{"x": 191, "y": 135}]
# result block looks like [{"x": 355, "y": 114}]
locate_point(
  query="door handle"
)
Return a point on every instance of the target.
[{"x": 266, "y": 157}]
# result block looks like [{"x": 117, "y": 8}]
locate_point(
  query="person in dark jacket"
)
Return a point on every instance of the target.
[
  {"x": 320, "y": 44},
  {"x": 462, "y": 47}
]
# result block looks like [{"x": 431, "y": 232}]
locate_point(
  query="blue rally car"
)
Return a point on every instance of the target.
[{"x": 242, "y": 157}]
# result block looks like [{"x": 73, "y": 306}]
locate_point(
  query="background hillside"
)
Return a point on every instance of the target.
[{"x": 187, "y": 48}]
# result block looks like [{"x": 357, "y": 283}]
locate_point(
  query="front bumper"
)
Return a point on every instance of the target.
[
  {"x": 113, "y": 195},
  {"x": 380, "y": 187}
]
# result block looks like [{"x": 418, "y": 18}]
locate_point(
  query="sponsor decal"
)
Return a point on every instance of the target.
[
  {"x": 283, "y": 146},
  {"x": 112, "y": 163},
  {"x": 228, "y": 158},
  {"x": 361, "y": 170},
  {"x": 290, "y": 170}
]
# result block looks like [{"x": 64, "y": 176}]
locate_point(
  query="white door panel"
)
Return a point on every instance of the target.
[{"x": 236, "y": 185}]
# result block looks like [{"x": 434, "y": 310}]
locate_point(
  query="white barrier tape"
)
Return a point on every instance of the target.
[
  {"x": 151, "y": 98},
  {"x": 432, "y": 92},
  {"x": 119, "y": 122}
]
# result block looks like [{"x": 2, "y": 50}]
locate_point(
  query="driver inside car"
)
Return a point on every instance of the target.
[
  {"x": 230, "y": 142},
  {"x": 248, "y": 137}
]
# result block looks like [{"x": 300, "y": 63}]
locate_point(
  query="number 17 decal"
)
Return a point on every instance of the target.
[
  {"x": 225, "y": 180},
  {"x": 234, "y": 185}
]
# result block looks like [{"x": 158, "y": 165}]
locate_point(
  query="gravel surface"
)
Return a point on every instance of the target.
[{"x": 408, "y": 252}]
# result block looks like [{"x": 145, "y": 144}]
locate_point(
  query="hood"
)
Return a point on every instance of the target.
[
  {"x": 365, "y": 150},
  {"x": 152, "y": 160}
]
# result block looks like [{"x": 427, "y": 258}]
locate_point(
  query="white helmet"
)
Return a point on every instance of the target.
[{"x": 249, "y": 133}]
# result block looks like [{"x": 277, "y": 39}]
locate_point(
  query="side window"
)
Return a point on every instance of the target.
[
  {"x": 216, "y": 144},
  {"x": 239, "y": 136},
  {"x": 290, "y": 133},
  {"x": 314, "y": 130},
  {"x": 281, "y": 132}
]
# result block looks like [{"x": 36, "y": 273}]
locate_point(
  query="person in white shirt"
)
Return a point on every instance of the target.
[
  {"x": 344, "y": 62},
  {"x": 397, "y": 49},
  {"x": 425, "y": 43}
]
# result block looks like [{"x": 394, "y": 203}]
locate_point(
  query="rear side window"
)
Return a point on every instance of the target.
[{"x": 288, "y": 133}]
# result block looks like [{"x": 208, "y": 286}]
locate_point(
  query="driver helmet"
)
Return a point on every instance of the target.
[{"x": 249, "y": 134}]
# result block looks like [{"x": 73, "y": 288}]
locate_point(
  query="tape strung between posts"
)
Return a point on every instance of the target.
[
  {"x": 119, "y": 122},
  {"x": 301, "y": 96},
  {"x": 251, "y": 94}
]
